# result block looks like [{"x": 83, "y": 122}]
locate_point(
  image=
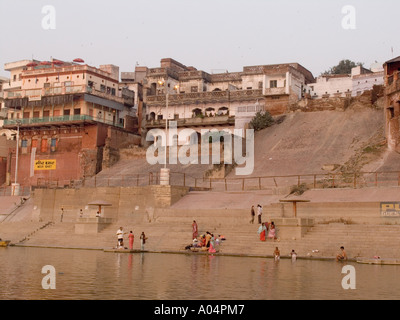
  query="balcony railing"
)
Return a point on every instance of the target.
[
  {"x": 58, "y": 119},
  {"x": 393, "y": 83},
  {"x": 274, "y": 91},
  {"x": 207, "y": 121},
  {"x": 212, "y": 96},
  {"x": 36, "y": 94}
]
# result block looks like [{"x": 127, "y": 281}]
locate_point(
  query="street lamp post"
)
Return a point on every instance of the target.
[
  {"x": 15, "y": 186},
  {"x": 165, "y": 172}
]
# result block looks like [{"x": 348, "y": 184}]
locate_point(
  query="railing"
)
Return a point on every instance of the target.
[
  {"x": 393, "y": 83},
  {"x": 23, "y": 192},
  {"x": 224, "y": 119},
  {"x": 310, "y": 181},
  {"x": 274, "y": 91},
  {"x": 59, "y": 119},
  {"x": 213, "y": 95},
  {"x": 36, "y": 94}
]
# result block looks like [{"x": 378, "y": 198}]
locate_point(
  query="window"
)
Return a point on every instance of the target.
[
  {"x": 67, "y": 112},
  {"x": 102, "y": 88},
  {"x": 53, "y": 144},
  {"x": 194, "y": 89},
  {"x": 273, "y": 84},
  {"x": 77, "y": 111},
  {"x": 34, "y": 143},
  {"x": 43, "y": 146},
  {"x": 24, "y": 146}
]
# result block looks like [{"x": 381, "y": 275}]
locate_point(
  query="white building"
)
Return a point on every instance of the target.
[{"x": 347, "y": 85}]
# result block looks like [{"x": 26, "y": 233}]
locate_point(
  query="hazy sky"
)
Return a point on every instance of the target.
[{"x": 211, "y": 35}]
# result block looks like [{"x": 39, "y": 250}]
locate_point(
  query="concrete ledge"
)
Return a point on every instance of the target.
[
  {"x": 292, "y": 228},
  {"x": 91, "y": 225}
]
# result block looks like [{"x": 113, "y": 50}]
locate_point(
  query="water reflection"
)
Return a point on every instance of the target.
[{"x": 86, "y": 274}]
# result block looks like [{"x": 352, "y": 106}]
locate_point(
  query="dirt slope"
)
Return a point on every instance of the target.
[{"x": 306, "y": 141}]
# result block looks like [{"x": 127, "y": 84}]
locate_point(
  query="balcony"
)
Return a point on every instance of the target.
[
  {"x": 58, "y": 120},
  {"x": 274, "y": 91},
  {"x": 213, "y": 96},
  {"x": 193, "y": 122},
  {"x": 393, "y": 83},
  {"x": 37, "y": 94}
]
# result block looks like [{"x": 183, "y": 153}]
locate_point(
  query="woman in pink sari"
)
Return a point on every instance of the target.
[
  {"x": 272, "y": 232},
  {"x": 212, "y": 245}
]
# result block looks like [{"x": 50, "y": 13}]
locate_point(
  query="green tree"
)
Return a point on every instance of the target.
[
  {"x": 262, "y": 120},
  {"x": 343, "y": 67}
]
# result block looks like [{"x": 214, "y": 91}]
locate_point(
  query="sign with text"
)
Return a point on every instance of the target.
[
  {"x": 49, "y": 164},
  {"x": 390, "y": 209}
]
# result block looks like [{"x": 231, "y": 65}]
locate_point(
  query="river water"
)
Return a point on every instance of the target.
[{"x": 95, "y": 275}]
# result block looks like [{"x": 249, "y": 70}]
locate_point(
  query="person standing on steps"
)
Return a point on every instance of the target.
[
  {"x": 262, "y": 232},
  {"x": 195, "y": 230},
  {"x": 252, "y": 213},
  {"x": 143, "y": 239},
  {"x": 120, "y": 237},
  {"x": 259, "y": 213},
  {"x": 131, "y": 240}
]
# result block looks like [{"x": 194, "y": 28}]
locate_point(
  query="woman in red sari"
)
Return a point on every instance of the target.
[
  {"x": 262, "y": 231},
  {"x": 131, "y": 239}
]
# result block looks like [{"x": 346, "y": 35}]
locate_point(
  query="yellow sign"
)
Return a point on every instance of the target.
[
  {"x": 45, "y": 164},
  {"x": 390, "y": 209}
]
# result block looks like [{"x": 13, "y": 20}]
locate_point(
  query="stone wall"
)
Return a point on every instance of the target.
[
  {"x": 125, "y": 201},
  {"x": 115, "y": 141}
]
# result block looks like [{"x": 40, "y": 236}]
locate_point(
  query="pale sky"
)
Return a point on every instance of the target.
[{"x": 211, "y": 35}]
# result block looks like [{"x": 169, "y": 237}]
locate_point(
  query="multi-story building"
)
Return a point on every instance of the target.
[
  {"x": 3, "y": 113},
  {"x": 392, "y": 103},
  {"x": 66, "y": 113},
  {"x": 198, "y": 99}
]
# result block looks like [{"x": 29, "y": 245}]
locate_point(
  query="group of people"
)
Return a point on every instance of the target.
[
  {"x": 131, "y": 237},
  {"x": 277, "y": 255},
  {"x": 267, "y": 231},
  {"x": 205, "y": 241}
]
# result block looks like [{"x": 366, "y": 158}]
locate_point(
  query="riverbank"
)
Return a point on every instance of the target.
[
  {"x": 186, "y": 252},
  {"x": 349, "y": 218}
]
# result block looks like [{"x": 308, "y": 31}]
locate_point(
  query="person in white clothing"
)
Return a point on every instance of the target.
[{"x": 120, "y": 236}]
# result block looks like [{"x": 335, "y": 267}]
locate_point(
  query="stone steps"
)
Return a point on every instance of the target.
[{"x": 175, "y": 234}]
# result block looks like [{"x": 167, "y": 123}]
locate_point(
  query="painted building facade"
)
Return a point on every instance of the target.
[
  {"x": 65, "y": 113},
  {"x": 197, "y": 98}
]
